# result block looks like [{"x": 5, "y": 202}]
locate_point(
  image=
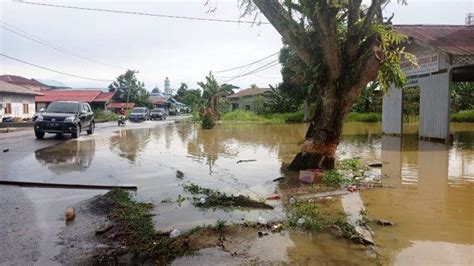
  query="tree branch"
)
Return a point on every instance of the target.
[{"x": 288, "y": 28}]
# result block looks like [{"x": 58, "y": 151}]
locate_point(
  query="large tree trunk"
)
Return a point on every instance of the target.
[
  {"x": 324, "y": 133},
  {"x": 306, "y": 110}
]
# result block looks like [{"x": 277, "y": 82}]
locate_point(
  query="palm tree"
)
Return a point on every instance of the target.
[{"x": 212, "y": 92}]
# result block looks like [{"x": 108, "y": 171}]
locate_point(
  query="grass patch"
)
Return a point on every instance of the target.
[
  {"x": 466, "y": 116},
  {"x": 208, "y": 198},
  {"x": 135, "y": 218},
  {"x": 314, "y": 219},
  {"x": 364, "y": 117},
  {"x": 277, "y": 118},
  {"x": 105, "y": 115}
]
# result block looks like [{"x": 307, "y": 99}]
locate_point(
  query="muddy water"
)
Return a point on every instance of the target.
[{"x": 432, "y": 203}]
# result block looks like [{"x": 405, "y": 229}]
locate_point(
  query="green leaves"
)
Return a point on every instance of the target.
[
  {"x": 127, "y": 87},
  {"x": 390, "y": 43}
]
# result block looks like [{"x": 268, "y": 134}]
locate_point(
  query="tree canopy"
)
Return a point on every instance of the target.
[{"x": 127, "y": 88}]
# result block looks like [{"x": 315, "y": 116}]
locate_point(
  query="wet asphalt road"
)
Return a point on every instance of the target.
[{"x": 20, "y": 230}]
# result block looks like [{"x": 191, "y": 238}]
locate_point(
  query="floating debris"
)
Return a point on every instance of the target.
[
  {"x": 376, "y": 164},
  {"x": 179, "y": 174},
  {"x": 278, "y": 179},
  {"x": 246, "y": 161},
  {"x": 384, "y": 222}
]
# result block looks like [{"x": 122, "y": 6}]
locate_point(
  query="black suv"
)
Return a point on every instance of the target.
[{"x": 65, "y": 117}]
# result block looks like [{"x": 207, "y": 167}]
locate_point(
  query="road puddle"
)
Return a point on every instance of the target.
[{"x": 431, "y": 203}]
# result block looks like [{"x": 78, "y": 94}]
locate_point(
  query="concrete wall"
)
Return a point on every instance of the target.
[
  {"x": 245, "y": 103},
  {"x": 17, "y": 101},
  {"x": 434, "y": 106},
  {"x": 392, "y": 111}
]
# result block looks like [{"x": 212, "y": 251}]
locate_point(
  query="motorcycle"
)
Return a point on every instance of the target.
[{"x": 121, "y": 121}]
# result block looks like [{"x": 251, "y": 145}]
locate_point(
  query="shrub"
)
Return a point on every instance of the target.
[
  {"x": 463, "y": 116},
  {"x": 364, "y": 117},
  {"x": 333, "y": 178},
  {"x": 208, "y": 122},
  {"x": 293, "y": 118},
  {"x": 105, "y": 115}
]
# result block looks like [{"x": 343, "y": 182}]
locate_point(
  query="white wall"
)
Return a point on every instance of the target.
[{"x": 17, "y": 101}]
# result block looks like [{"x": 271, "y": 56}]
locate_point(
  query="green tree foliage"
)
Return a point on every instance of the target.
[
  {"x": 280, "y": 101},
  {"x": 181, "y": 92},
  {"x": 213, "y": 93},
  {"x": 128, "y": 88},
  {"x": 462, "y": 96},
  {"x": 370, "y": 100}
]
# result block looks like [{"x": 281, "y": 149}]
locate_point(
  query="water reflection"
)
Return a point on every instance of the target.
[
  {"x": 129, "y": 143},
  {"x": 76, "y": 155}
]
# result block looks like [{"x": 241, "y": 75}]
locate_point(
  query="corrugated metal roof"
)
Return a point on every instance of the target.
[
  {"x": 104, "y": 97},
  {"x": 68, "y": 95},
  {"x": 452, "y": 39},
  {"x": 12, "y": 88},
  {"x": 249, "y": 92},
  {"x": 158, "y": 99}
]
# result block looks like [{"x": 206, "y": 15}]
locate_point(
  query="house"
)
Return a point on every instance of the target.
[
  {"x": 96, "y": 98},
  {"x": 24, "y": 82},
  {"x": 116, "y": 107},
  {"x": 248, "y": 99},
  {"x": 162, "y": 102},
  {"x": 16, "y": 101}
]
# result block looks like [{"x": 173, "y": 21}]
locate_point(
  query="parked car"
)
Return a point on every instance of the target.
[
  {"x": 63, "y": 117},
  {"x": 158, "y": 113},
  {"x": 7, "y": 120},
  {"x": 139, "y": 114}
]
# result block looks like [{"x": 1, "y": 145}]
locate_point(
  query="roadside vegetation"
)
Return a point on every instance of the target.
[
  {"x": 206, "y": 198},
  {"x": 276, "y": 118},
  {"x": 103, "y": 115}
]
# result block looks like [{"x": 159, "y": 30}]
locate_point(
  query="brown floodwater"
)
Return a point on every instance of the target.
[{"x": 431, "y": 204}]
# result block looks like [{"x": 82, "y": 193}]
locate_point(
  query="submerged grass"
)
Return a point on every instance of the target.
[{"x": 208, "y": 198}]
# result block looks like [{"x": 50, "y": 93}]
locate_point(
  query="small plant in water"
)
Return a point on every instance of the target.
[{"x": 333, "y": 178}]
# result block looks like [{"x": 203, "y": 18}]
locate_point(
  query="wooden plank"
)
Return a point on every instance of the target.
[{"x": 64, "y": 186}]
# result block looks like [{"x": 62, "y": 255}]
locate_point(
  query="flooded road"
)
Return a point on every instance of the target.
[{"x": 431, "y": 202}]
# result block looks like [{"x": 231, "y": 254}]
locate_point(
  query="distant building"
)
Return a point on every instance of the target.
[
  {"x": 52, "y": 84},
  {"x": 116, "y": 107},
  {"x": 16, "y": 101},
  {"x": 24, "y": 82},
  {"x": 247, "y": 99},
  {"x": 96, "y": 98},
  {"x": 470, "y": 19},
  {"x": 168, "y": 90}
]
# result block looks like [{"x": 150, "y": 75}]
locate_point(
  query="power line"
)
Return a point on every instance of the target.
[
  {"x": 249, "y": 64},
  {"x": 36, "y": 39},
  {"x": 259, "y": 69},
  {"x": 141, "y": 13},
  {"x": 55, "y": 71}
]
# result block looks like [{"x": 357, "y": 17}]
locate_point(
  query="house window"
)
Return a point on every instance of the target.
[
  {"x": 235, "y": 106},
  {"x": 8, "y": 108},
  {"x": 247, "y": 107},
  {"x": 26, "y": 108}
]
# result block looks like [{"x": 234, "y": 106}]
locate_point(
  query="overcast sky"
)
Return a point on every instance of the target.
[{"x": 183, "y": 50}]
